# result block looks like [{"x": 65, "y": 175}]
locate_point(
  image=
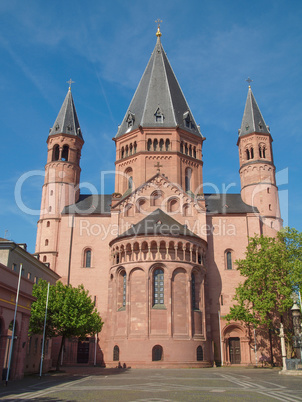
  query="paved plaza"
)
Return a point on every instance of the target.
[{"x": 150, "y": 385}]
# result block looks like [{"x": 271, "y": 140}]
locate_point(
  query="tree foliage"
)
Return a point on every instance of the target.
[
  {"x": 71, "y": 312},
  {"x": 272, "y": 270}
]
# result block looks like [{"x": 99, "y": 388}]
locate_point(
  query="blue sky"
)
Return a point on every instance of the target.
[{"x": 213, "y": 46}]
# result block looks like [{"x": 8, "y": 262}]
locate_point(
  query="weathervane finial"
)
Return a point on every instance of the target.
[
  {"x": 158, "y": 22},
  {"x": 70, "y": 82},
  {"x": 249, "y": 80}
]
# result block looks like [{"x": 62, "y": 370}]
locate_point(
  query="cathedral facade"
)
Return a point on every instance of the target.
[{"x": 163, "y": 276}]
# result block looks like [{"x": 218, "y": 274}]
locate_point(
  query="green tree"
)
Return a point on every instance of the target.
[
  {"x": 71, "y": 312},
  {"x": 293, "y": 243},
  {"x": 265, "y": 293}
]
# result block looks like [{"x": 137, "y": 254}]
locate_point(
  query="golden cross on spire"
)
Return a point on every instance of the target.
[
  {"x": 158, "y": 22},
  {"x": 70, "y": 82},
  {"x": 158, "y": 165}
]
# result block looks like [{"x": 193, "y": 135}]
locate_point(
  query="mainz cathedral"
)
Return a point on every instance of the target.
[{"x": 164, "y": 276}]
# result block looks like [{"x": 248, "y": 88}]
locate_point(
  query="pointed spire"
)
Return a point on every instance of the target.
[
  {"x": 67, "y": 121},
  {"x": 253, "y": 121},
  {"x": 158, "y": 90}
]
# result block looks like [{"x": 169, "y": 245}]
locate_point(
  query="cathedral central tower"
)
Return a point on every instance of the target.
[{"x": 158, "y": 132}]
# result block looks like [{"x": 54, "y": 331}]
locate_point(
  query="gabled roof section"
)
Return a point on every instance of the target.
[
  {"x": 253, "y": 121},
  {"x": 158, "y": 92},
  {"x": 227, "y": 204},
  {"x": 67, "y": 121},
  {"x": 160, "y": 224},
  {"x": 90, "y": 204}
]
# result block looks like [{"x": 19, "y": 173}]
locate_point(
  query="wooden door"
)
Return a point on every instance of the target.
[
  {"x": 234, "y": 347},
  {"x": 83, "y": 351}
]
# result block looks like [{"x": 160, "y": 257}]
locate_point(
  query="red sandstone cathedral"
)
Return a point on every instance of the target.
[{"x": 163, "y": 277}]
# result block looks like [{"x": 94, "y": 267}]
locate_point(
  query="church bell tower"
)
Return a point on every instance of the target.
[
  {"x": 257, "y": 169},
  {"x": 62, "y": 178}
]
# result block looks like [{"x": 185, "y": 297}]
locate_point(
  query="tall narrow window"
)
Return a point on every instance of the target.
[
  {"x": 199, "y": 354},
  {"x": 260, "y": 152},
  {"x": 188, "y": 179},
  {"x": 190, "y": 150},
  {"x": 134, "y": 147},
  {"x": 127, "y": 151},
  {"x": 247, "y": 154},
  {"x": 161, "y": 144},
  {"x": 56, "y": 153},
  {"x": 131, "y": 148},
  {"x": 229, "y": 260},
  {"x": 182, "y": 147},
  {"x": 158, "y": 287},
  {"x": 194, "y": 152},
  {"x": 263, "y": 152},
  {"x": 87, "y": 258},
  {"x": 155, "y": 144},
  {"x": 252, "y": 153},
  {"x": 167, "y": 145},
  {"x": 124, "y": 289},
  {"x": 130, "y": 183},
  {"x": 193, "y": 291},
  {"x": 65, "y": 152},
  {"x": 116, "y": 353},
  {"x": 149, "y": 144},
  {"x": 123, "y": 152}
]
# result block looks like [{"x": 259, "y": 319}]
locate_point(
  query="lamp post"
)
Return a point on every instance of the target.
[{"x": 297, "y": 338}]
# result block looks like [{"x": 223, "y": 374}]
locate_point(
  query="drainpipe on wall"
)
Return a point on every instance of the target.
[{"x": 221, "y": 351}]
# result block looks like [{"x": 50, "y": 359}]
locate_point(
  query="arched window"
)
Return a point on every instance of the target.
[
  {"x": 130, "y": 183},
  {"x": 182, "y": 147},
  {"x": 194, "y": 152},
  {"x": 229, "y": 263},
  {"x": 193, "y": 291},
  {"x": 87, "y": 258},
  {"x": 263, "y": 152},
  {"x": 167, "y": 145},
  {"x": 188, "y": 179},
  {"x": 155, "y": 144},
  {"x": 247, "y": 154},
  {"x": 186, "y": 148},
  {"x": 252, "y": 153},
  {"x": 123, "y": 152},
  {"x": 47, "y": 224},
  {"x": 116, "y": 353},
  {"x": 46, "y": 242},
  {"x": 156, "y": 198},
  {"x": 124, "y": 288},
  {"x": 173, "y": 205},
  {"x": 44, "y": 258},
  {"x": 149, "y": 144},
  {"x": 190, "y": 150},
  {"x": 127, "y": 150},
  {"x": 199, "y": 354},
  {"x": 65, "y": 152},
  {"x": 130, "y": 149},
  {"x": 56, "y": 153},
  {"x": 157, "y": 353},
  {"x": 134, "y": 147},
  {"x": 161, "y": 144},
  {"x": 260, "y": 152},
  {"x": 158, "y": 287}
]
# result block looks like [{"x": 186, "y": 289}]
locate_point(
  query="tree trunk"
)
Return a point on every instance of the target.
[
  {"x": 60, "y": 353},
  {"x": 271, "y": 346}
]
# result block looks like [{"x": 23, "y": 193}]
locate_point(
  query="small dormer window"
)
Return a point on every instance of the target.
[
  {"x": 188, "y": 121},
  {"x": 130, "y": 119},
  {"x": 159, "y": 116}
]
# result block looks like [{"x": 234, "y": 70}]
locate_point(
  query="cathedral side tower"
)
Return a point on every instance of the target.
[
  {"x": 62, "y": 177},
  {"x": 158, "y": 132},
  {"x": 257, "y": 169}
]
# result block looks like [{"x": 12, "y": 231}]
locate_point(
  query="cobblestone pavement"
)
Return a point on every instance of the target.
[{"x": 150, "y": 385}]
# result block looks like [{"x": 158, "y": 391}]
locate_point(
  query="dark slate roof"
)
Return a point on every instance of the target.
[
  {"x": 227, "y": 204},
  {"x": 158, "y": 92},
  {"x": 67, "y": 121},
  {"x": 215, "y": 204},
  {"x": 160, "y": 224},
  {"x": 252, "y": 120},
  {"x": 90, "y": 204}
]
